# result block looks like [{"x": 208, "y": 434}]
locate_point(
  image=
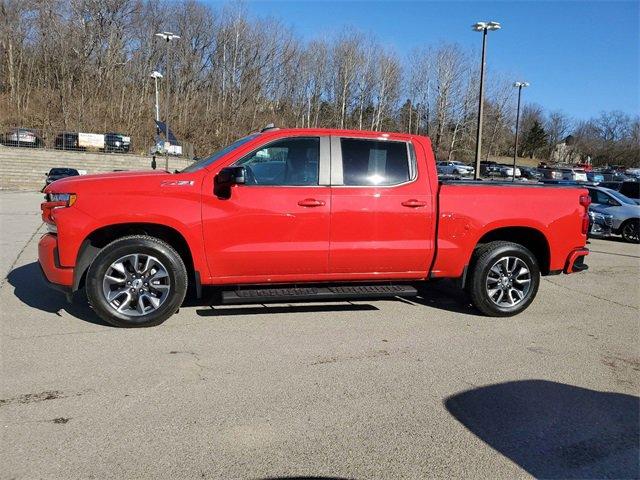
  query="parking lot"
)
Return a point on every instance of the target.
[{"x": 361, "y": 390}]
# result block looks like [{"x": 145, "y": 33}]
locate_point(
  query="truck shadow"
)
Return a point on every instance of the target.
[
  {"x": 303, "y": 478},
  {"x": 553, "y": 430},
  {"x": 31, "y": 289},
  {"x": 223, "y": 310},
  {"x": 444, "y": 295}
]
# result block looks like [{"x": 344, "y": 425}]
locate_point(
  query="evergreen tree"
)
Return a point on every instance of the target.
[{"x": 535, "y": 139}]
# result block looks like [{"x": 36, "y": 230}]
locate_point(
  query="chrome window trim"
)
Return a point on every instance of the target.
[
  {"x": 337, "y": 174},
  {"x": 336, "y": 162}
]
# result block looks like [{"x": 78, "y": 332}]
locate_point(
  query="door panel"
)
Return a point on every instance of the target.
[
  {"x": 277, "y": 224},
  {"x": 264, "y": 231},
  {"x": 379, "y": 229}
]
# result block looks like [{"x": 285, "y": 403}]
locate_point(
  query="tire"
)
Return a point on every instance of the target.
[
  {"x": 141, "y": 296},
  {"x": 503, "y": 289},
  {"x": 630, "y": 231}
]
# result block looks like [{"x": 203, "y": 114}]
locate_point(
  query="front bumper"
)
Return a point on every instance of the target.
[
  {"x": 60, "y": 277},
  {"x": 575, "y": 261}
]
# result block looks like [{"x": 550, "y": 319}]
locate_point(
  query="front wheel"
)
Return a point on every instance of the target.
[
  {"x": 631, "y": 231},
  {"x": 136, "y": 281},
  {"x": 504, "y": 279}
]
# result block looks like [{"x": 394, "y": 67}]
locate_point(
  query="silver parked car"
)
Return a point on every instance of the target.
[
  {"x": 454, "y": 168},
  {"x": 600, "y": 223},
  {"x": 626, "y": 213},
  {"x": 507, "y": 171}
]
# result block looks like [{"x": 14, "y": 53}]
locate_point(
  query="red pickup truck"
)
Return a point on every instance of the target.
[{"x": 289, "y": 215}]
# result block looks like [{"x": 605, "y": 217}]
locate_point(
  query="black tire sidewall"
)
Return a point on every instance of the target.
[
  {"x": 481, "y": 268},
  {"x": 632, "y": 223},
  {"x": 126, "y": 246}
]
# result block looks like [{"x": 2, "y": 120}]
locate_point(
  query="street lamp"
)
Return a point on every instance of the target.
[
  {"x": 483, "y": 27},
  {"x": 156, "y": 76},
  {"x": 519, "y": 86},
  {"x": 167, "y": 36}
]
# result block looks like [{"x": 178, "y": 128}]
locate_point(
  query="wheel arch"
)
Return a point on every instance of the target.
[
  {"x": 101, "y": 237},
  {"x": 531, "y": 238}
]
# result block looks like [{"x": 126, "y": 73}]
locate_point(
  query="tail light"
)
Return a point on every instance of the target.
[{"x": 585, "y": 201}]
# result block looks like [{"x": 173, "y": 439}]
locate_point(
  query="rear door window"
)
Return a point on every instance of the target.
[{"x": 373, "y": 162}]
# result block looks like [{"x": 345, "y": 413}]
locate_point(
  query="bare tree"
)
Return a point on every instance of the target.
[{"x": 84, "y": 65}]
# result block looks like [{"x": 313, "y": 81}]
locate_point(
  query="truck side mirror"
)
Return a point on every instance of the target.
[{"x": 226, "y": 178}]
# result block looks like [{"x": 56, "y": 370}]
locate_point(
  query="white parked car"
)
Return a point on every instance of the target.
[
  {"x": 454, "y": 168},
  {"x": 507, "y": 171},
  {"x": 575, "y": 174}
]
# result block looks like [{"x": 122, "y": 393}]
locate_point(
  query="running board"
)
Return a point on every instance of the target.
[{"x": 316, "y": 294}]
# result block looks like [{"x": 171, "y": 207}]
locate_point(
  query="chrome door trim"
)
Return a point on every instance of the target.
[{"x": 324, "y": 167}]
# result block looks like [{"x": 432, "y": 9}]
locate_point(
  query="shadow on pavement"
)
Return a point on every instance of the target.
[
  {"x": 31, "y": 289},
  {"x": 444, "y": 295},
  {"x": 304, "y": 478},
  {"x": 553, "y": 430},
  {"x": 220, "y": 311}
]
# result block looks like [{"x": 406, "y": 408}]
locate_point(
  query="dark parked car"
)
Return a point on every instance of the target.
[
  {"x": 550, "y": 173},
  {"x": 68, "y": 141},
  {"x": 58, "y": 173},
  {"x": 614, "y": 176},
  {"x": 116, "y": 142},
  {"x": 630, "y": 190},
  {"x": 530, "y": 173},
  {"x": 610, "y": 185},
  {"x": 22, "y": 137},
  {"x": 488, "y": 167}
]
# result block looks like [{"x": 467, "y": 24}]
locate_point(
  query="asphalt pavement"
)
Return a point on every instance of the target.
[{"x": 359, "y": 390}]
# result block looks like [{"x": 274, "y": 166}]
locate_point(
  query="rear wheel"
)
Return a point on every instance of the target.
[
  {"x": 504, "y": 279},
  {"x": 136, "y": 281},
  {"x": 631, "y": 231}
]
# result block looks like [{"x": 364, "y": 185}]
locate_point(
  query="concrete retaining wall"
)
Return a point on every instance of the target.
[{"x": 25, "y": 168}]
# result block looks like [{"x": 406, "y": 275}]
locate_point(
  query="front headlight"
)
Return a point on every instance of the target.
[
  {"x": 54, "y": 201},
  {"x": 67, "y": 198}
]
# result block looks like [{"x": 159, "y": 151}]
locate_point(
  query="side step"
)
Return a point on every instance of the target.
[{"x": 316, "y": 294}]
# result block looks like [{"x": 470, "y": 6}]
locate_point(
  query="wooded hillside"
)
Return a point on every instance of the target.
[{"x": 85, "y": 64}]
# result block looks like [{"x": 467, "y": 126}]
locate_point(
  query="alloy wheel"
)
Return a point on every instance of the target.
[
  {"x": 631, "y": 232},
  {"x": 508, "y": 282},
  {"x": 136, "y": 284}
]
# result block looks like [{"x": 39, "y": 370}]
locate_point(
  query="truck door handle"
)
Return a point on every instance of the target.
[
  {"x": 311, "y": 202},
  {"x": 414, "y": 203}
]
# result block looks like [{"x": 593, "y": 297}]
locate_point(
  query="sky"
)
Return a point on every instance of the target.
[{"x": 581, "y": 57}]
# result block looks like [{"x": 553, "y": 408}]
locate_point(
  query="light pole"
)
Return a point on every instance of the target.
[
  {"x": 483, "y": 27},
  {"x": 167, "y": 36},
  {"x": 156, "y": 76},
  {"x": 519, "y": 86}
]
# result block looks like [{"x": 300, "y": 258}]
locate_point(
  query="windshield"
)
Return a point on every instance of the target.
[
  {"x": 620, "y": 197},
  {"x": 205, "y": 162}
]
